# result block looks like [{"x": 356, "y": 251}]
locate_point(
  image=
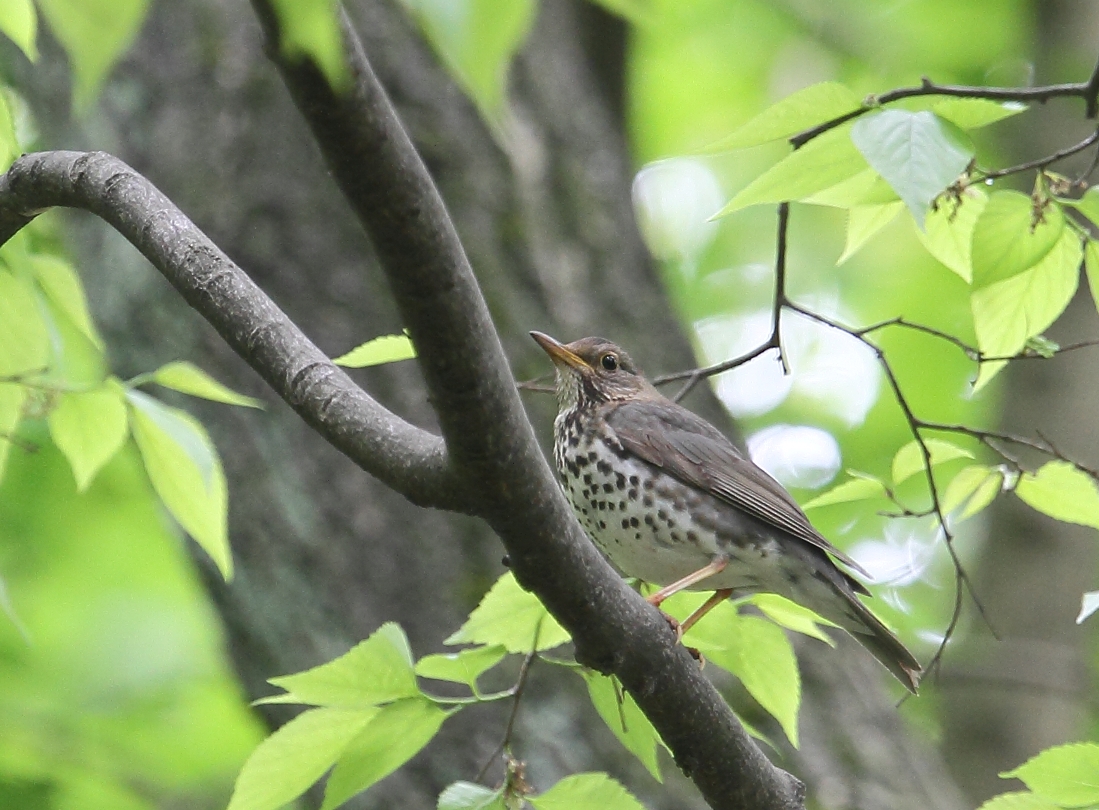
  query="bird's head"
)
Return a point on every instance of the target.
[{"x": 591, "y": 370}]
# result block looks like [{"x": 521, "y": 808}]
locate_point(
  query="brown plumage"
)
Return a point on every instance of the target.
[{"x": 670, "y": 500}]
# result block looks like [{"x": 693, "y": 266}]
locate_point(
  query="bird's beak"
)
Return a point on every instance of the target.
[{"x": 560, "y": 354}]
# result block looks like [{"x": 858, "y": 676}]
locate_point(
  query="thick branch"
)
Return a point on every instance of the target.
[
  {"x": 410, "y": 460},
  {"x": 491, "y": 443}
]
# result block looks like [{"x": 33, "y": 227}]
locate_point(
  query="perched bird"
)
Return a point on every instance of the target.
[{"x": 668, "y": 499}]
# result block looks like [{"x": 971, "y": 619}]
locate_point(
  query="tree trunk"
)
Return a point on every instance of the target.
[{"x": 325, "y": 554}]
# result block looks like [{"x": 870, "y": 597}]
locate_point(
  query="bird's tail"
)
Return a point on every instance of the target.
[{"x": 879, "y": 640}]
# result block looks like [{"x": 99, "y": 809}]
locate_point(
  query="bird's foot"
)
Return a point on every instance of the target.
[{"x": 678, "y": 629}]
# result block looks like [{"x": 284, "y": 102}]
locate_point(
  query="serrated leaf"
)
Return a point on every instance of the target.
[
  {"x": 973, "y": 113},
  {"x": 470, "y": 796},
  {"x": 1008, "y": 241},
  {"x": 1006, "y": 314},
  {"x": 1089, "y": 603},
  {"x": 820, "y": 164},
  {"x": 94, "y": 35},
  {"x": 20, "y": 24},
  {"x": 1067, "y": 775},
  {"x": 797, "y": 112},
  {"x": 12, "y": 399},
  {"x": 760, "y": 655},
  {"x": 461, "y": 667},
  {"x": 792, "y": 616},
  {"x": 374, "y": 671},
  {"x": 385, "y": 349},
  {"x": 186, "y": 473},
  {"x": 1018, "y": 801},
  {"x": 864, "y": 222},
  {"x": 89, "y": 427},
  {"x": 311, "y": 29},
  {"x": 986, "y": 493},
  {"x": 1091, "y": 267},
  {"x": 909, "y": 459},
  {"x": 625, "y": 720},
  {"x": 392, "y": 737},
  {"x": 295, "y": 756},
  {"x": 857, "y": 489},
  {"x": 188, "y": 378},
  {"x": 865, "y": 188},
  {"x": 918, "y": 153},
  {"x": 24, "y": 338},
  {"x": 511, "y": 617},
  {"x": 586, "y": 791},
  {"x": 1063, "y": 492},
  {"x": 947, "y": 231},
  {"x": 61, "y": 284}
]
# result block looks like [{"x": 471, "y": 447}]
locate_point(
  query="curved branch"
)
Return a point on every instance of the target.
[{"x": 409, "y": 459}]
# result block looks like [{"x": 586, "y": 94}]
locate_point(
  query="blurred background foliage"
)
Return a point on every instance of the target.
[{"x": 115, "y": 692}]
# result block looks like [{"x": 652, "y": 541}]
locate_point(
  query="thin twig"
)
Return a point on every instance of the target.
[{"x": 1040, "y": 163}]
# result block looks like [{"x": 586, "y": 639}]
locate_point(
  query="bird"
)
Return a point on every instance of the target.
[{"x": 668, "y": 499}]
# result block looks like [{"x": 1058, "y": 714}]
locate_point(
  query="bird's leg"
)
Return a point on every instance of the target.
[
  {"x": 716, "y": 599},
  {"x": 715, "y": 566}
]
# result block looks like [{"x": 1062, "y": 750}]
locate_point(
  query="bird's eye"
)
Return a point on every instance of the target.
[{"x": 609, "y": 362}]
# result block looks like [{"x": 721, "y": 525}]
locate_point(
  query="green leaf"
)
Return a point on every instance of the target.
[
  {"x": 20, "y": 24},
  {"x": 947, "y": 231},
  {"x": 186, "y": 473},
  {"x": 973, "y": 113},
  {"x": 1091, "y": 267},
  {"x": 12, "y": 399},
  {"x": 1007, "y": 314},
  {"x": 385, "y": 349},
  {"x": 820, "y": 164},
  {"x": 1089, "y": 603},
  {"x": 477, "y": 39},
  {"x": 285, "y": 764},
  {"x": 24, "y": 339},
  {"x": 374, "y": 671},
  {"x": 865, "y": 188},
  {"x": 89, "y": 427},
  {"x": 1088, "y": 205},
  {"x": 909, "y": 459},
  {"x": 1018, "y": 801},
  {"x": 863, "y": 222},
  {"x": 1042, "y": 346},
  {"x": 856, "y": 489},
  {"x": 61, "y": 284},
  {"x": 625, "y": 720},
  {"x": 918, "y": 153},
  {"x": 586, "y": 791},
  {"x": 1063, "y": 492},
  {"x": 188, "y": 378},
  {"x": 469, "y": 796},
  {"x": 94, "y": 34},
  {"x": 462, "y": 667},
  {"x": 512, "y": 617},
  {"x": 392, "y": 737},
  {"x": 310, "y": 29},
  {"x": 760, "y": 655},
  {"x": 1067, "y": 775},
  {"x": 9, "y": 142},
  {"x": 792, "y": 616},
  {"x": 969, "y": 488},
  {"x": 1007, "y": 240},
  {"x": 797, "y": 112}
]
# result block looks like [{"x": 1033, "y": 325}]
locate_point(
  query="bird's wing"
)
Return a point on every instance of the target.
[{"x": 694, "y": 451}]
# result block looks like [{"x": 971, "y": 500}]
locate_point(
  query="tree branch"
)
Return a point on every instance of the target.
[
  {"x": 491, "y": 443},
  {"x": 410, "y": 460}
]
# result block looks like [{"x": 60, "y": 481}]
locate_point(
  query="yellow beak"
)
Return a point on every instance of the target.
[{"x": 559, "y": 353}]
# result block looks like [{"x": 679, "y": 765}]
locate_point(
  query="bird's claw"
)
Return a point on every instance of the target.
[{"x": 677, "y": 628}]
